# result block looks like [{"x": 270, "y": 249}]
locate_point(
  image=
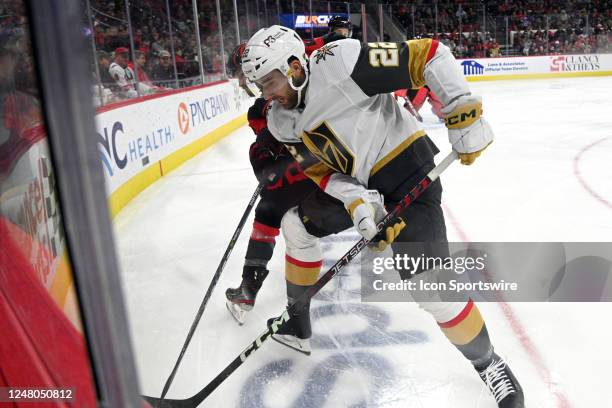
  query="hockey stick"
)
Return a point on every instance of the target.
[
  {"x": 410, "y": 107},
  {"x": 211, "y": 287},
  {"x": 416, "y": 191}
]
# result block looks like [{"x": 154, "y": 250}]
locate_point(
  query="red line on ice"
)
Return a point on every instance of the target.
[
  {"x": 582, "y": 180},
  {"x": 517, "y": 327}
]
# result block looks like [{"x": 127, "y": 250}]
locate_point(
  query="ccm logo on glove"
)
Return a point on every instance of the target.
[
  {"x": 468, "y": 132},
  {"x": 463, "y": 116}
]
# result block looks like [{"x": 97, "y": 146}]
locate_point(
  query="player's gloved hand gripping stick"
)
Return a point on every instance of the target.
[
  {"x": 468, "y": 132},
  {"x": 211, "y": 287},
  {"x": 365, "y": 211},
  {"x": 388, "y": 220}
]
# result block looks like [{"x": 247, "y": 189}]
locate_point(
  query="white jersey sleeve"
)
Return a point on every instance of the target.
[
  {"x": 350, "y": 122},
  {"x": 386, "y": 67}
]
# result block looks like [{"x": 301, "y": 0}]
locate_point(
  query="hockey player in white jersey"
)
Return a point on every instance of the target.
[
  {"x": 339, "y": 105},
  {"x": 320, "y": 214}
]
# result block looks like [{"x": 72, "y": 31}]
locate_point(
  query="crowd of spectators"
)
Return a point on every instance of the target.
[
  {"x": 156, "y": 42},
  {"x": 448, "y": 18},
  {"x": 562, "y": 41},
  {"x": 528, "y": 43},
  {"x": 167, "y": 55},
  {"x": 535, "y": 27},
  {"x": 472, "y": 45}
]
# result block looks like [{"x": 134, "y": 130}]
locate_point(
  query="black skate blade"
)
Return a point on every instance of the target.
[
  {"x": 290, "y": 346},
  {"x": 168, "y": 403}
]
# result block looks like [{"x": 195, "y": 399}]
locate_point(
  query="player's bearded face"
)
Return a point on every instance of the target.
[{"x": 275, "y": 86}]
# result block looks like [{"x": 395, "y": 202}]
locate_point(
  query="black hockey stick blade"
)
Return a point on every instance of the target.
[
  {"x": 352, "y": 253},
  {"x": 197, "y": 399},
  {"x": 167, "y": 403}
]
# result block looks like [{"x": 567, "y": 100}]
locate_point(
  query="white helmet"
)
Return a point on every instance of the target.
[{"x": 269, "y": 49}]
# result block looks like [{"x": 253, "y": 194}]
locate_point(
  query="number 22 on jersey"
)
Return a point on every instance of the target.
[{"x": 383, "y": 54}]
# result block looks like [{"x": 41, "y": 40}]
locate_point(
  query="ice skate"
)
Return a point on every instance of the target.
[
  {"x": 292, "y": 337},
  {"x": 297, "y": 331},
  {"x": 241, "y": 300},
  {"x": 502, "y": 384}
]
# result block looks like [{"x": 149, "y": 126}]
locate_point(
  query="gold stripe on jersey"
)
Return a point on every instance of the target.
[
  {"x": 395, "y": 152},
  {"x": 417, "y": 57},
  {"x": 316, "y": 172},
  {"x": 354, "y": 205}
]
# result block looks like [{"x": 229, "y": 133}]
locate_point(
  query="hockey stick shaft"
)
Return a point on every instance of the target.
[
  {"x": 352, "y": 253},
  {"x": 413, "y": 110},
  {"x": 211, "y": 287}
]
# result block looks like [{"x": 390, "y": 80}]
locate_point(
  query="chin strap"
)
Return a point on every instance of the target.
[{"x": 300, "y": 88}]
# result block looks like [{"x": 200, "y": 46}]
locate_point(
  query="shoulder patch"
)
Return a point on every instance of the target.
[{"x": 323, "y": 52}]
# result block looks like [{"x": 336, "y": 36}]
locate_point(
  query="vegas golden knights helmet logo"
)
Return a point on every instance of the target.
[{"x": 328, "y": 148}]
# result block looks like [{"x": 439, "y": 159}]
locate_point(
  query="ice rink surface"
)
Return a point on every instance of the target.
[{"x": 546, "y": 178}]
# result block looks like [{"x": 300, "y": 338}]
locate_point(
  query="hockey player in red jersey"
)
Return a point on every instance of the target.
[
  {"x": 339, "y": 104},
  {"x": 339, "y": 29},
  {"x": 234, "y": 71}
]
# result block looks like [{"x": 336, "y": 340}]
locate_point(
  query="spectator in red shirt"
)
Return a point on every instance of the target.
[
  {"x": 145, "y": 86},
  {"x": 141, "y": 61}
]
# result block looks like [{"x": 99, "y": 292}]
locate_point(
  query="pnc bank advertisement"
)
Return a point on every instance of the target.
[{"x": 130, "y": 138}]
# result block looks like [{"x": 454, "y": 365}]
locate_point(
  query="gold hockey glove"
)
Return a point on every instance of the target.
[{"x": 387, "y": 236}]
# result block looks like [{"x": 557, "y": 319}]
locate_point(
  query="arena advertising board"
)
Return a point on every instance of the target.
[
  {"x": 537, "y": 66},
  {"x": 29, "y": 201},
  {"x": 130, "y": 138},
  {"x": 303, "y": 21},
  {"x": 134, "y": 137}
]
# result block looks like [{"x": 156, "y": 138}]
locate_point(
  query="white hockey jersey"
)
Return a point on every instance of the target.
[
  {"x": 352, "y": 123},
  {"x": 124, "y": 79}
]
